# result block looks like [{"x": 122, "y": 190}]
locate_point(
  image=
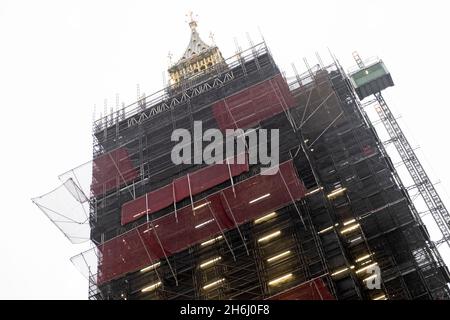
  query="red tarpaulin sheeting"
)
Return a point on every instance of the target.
[
  {"x": 312, "y": 290},
  {"x": 254, "y": 104},
  {"x": 198, "y": 182},
  {"x": 216, "y": 213},
  {"x": 112, "y": 170}
]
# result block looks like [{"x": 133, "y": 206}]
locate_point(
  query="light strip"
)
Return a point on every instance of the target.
[
  {"x": 349, "y": 222},
  {"x": 147, "y": 230},
  {"x": 266, "y": 217},
  {"x": 279, "y": 256},
  {"x": 336, "y": 192},
  {"x": 339, "y": 271},
  {"x": 209, "y": 262},
  {"x": 363, "y": 258},
  {"x": 151, "y": 287},
  {"x": 151, "y": 267},
  {"x": 209, "y": 285},
  {"x": 202, "y": 205},
  {"x": 313, "y": 191},
  {"x": 204, "y": 223},
  {"x": 211, "y": 241},
  {"x": 356, "y": 239},
  {"x": 366, "y": 267},
  {"x": 325, "y": 230},
  {"x": 270, "y": 236},
  {"x": 260, "y": 198},
  {"x": 346, "y": 230},
  {"x": 342, "y": 270},
  {"x": 280, "y": 279},
  {"x": 370, "y": 277},
  {"x": 366, "y": 262},
  {"x": 381, "y": 297}
]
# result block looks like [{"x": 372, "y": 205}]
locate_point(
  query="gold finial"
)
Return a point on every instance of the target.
[{"x": 192, "y": 20}]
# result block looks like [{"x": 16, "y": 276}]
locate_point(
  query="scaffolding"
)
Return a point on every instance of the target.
[
  {"x": 349, "y": 156},
  {"x": 415, "y": 169},
  {"x": 335, "y": 208}
]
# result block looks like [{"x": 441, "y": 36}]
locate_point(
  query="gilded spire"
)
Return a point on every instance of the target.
[
  {"x": 196, "y": 44},
  {"x": 197, "y": 57}
]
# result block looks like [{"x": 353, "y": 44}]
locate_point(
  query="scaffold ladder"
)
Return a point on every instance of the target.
[{"x": 421, "y": 180}]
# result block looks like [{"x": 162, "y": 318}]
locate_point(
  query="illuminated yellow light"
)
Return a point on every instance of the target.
[
  {"x": 266, "y": 217},
  {"x": 214, "y": 283},
  {"x": 269, "y": 236},
  {"x": 347, "y": 230},
  {"x": 362, "y": 258},
  {"x": 339, "y": 271},
  {"x": 336, "y": 192},
  {"x": 202, "y": 205},
  {"x": 380, "y": 297},
  {"x": 370, "y": 277},
  {"x": 149, "y": 229},
  {"x": 204, "y": 223},
  {"x": 209, "y": 262},
  {"x": 281, "y": 279},
  {"x": 151, "y": 287},
  {"x": 260, "y": 198},
  {"x": 211, "y": 241},
  {"x": 313, "y": 191},
  {"x": 151, "y": 267},
  {"x": 346, "y": 223},
  {"x": 279, "y": 256},
  {"x": 366, "y": 267},
  {"x": 325, "y": 230}
]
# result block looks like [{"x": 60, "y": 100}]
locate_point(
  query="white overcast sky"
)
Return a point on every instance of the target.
[{"x": 59, "y": 58}]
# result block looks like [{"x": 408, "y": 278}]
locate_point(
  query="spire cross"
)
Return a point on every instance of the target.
[
  {"x": 192, "y": 22},
  {"x": 170, "y": 55}
]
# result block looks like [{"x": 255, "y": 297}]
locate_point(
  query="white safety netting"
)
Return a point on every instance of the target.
[
  {"x": 67, "y": 207},
  {"x": 86, "y": 262}
]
